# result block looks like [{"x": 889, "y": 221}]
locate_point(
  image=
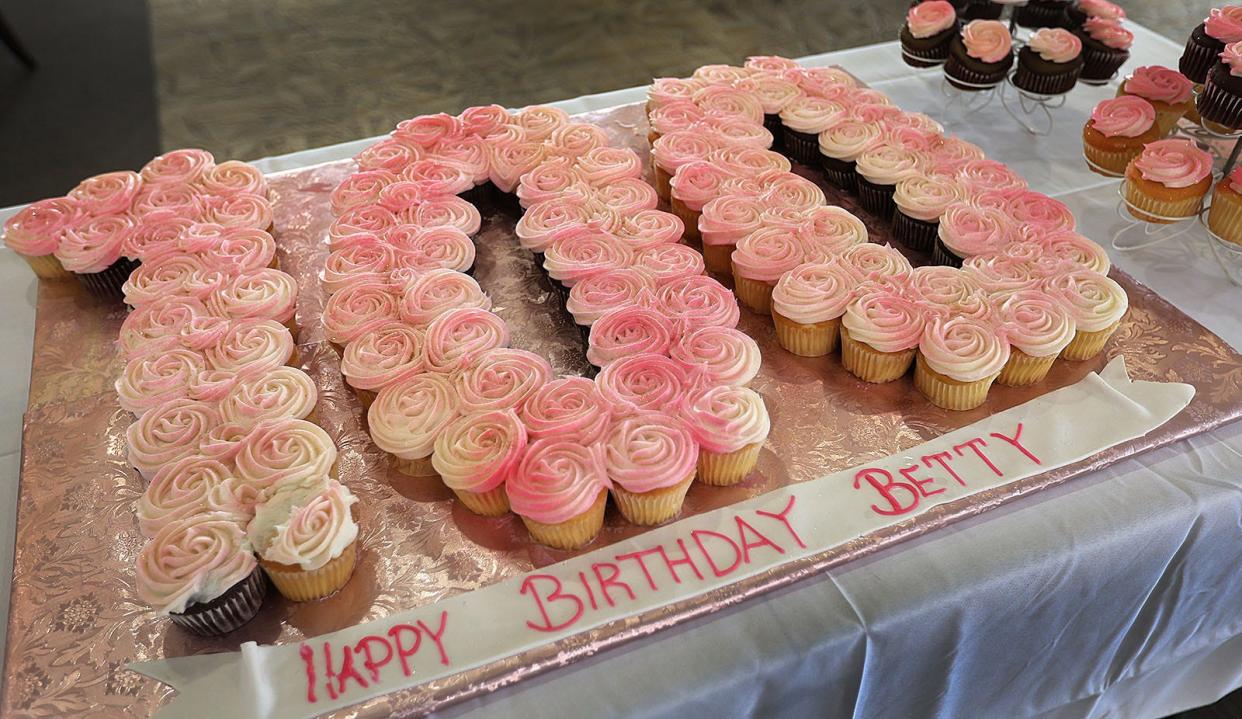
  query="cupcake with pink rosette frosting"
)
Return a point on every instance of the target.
[
  {"x": 650, "y": 458},
  {"x": 1116, "y": 133},
  {"x": 34, "y": 234},
  {"x": 759, "y": 261},
  {"x": 381, "y": 356},
  {"x": 567, "y": 408},
  {"x": 457, "y": 338},
  {"x": 154, "y": 379},
  {"x": 91, "y": 250},
  {"x": 980, "y": 56},
  {"x": 1050, "y": 62},
  {"x": 626, "y": 331},
  {"x": 169, "y": 432},
  {"x": 1096, "y": 303},
  {"x": 730, "y": 425},
  {"x": 201, "y": 572},
  {"x": 476, "y": 454},
  {"x": 1038, "y": 328},
  {"x": 1168, "y": 181},
  {"x": 694, "y": 185},
  {"x": 919, "y": 201},
  {"x": 880, "y": 332},
  {"x": 1105, "y": 48},
  {"x": 177, "y": 491},
  {"x": 959, "y": 357},
  {"x": 807, "y": 304},
  {"x": 669, "y": 263},
  {"x": 718, "y": 355},
  {"x": 597, "y": 295},
  {"x": 560, "y": 490},
  {"x": 408, "y": 415},
  {"x": 698, "y": 301},
  {"x": 285, "y": 451},
  {"x": 306, "y": 538},
  {"x": 928, "y": 32},
  {"x": 1220, "y": 103},
  {"x": 966, "y": 230},
  {"x": 1169, "y": 92},
  {"x": 723, "y": 223}
]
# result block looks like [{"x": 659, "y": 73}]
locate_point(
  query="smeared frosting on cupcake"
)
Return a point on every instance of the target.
[
  {"x": 478, "y": 452},
  {"x": 647, "y": 451},
  {"x": 963, "y": 348},
  {"x": 725, "y": 419},
  {"x": 285, "y": 451},
  {"x": 930, "y": 18},
  {"x": 814, "y": 292},
  {"x": 1174, "y": 163},
  {"x": 456, "y": 338},
  {"x": 1036, "y": 323},
  {"x": 1232, "y": 56},
  {"x": 408, "y": 415},
  {"x": 1160, "y": 84},
  {"x": 193, "y": 560},
  {"x": 1125, "y": 116},
  {"x": 438, "y": 291},
  {"x": 502, "y": 379},
  {"x": 626, "y": 331},
  {"x": 626, "y": 196},
  {"x": 168, "y": 432},
  {"x": 1055, "y": 44},
  {"x": 668, "y": 263},
  {"x": 1109, "y": 33},
  {"x": 557, "y": 480},
  {"x": 987, "y": 40},
  {"x": 1094, "y": 301},
  {"x": 698, "y": 301},
  {"x": 642, "y": 381},
  {"x": 304, "y": 526},
  {"x": 177, "y": 491},
  {"x": 999, "y": 274},
  {"x": 156, "y": 326},
  {"x": 510, "y": 160},
  {"x": 884, "y": 319},
  {"x": 770, "y": 63}
]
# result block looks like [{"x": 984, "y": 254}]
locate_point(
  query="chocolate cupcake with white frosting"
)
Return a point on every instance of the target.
[
  {"x": 839, "y": 148},
  {"x": 801, "y": 122},
  {"x": 919, "y": 202},
  {"x": 879, "y": 170}
]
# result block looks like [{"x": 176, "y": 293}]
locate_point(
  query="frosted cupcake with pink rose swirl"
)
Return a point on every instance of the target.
[
  {"x": 650, "y": 458},
  {"x": 306, "y": 538},
  {"x": 730, "y": 425},
  {"x": 242, "y": 249},
  {"x": 870, "y": 261},
  {"x": 552, "y": 178},
  {"x": 1076, "y": 249},
  {"x": 286, "y": 451},
  {"x": 1168, "y": 181},
  {"x": 567, "y": 408},
  {"x": 1000, "y": 274},
  {"x": 91, "y": 250},
  {"x": 370, "y": 219},
  {"x": 1096, "y": 303},
  {"x": 381, "y": 356},
  {"x": 880, "y": 332},
  {"x": 919, "y": 202},
  {"x": 672, "y": 117},
  {"x": 1039, "y": 212},
  {"x": 1050, "y": 62},
  {"x": 625, "y": 197},
  {"x": 372, "y": 260},
  {"x": 168, "y": 432},
  {"x": 431, "y": 248},
  {"x": 35, "y": 231},
  {"x": 476, "y": 454},
  {"x": 927, "y": 33},
  {"x": 152, "y": 380},
  {"x": 502, "y": 379},
  {"x": 642, "y": 382},
  {"x": 759, "y": 261},
  {"x": 444, "y": 211},
  {"x": 165, "y": 277},
  {"x": 356, "y": 308},
  {"x": 695, "y": 184},
  {"x": 252, "y": 345},
  {"x": 966, "y": 231},
  {"x": 389, "y": 154},
  {"x": 457, "y": 338},
  {"x": 675, "y": 149},
  {"x": 807, "y": 305},
  {"x": 979, "y": 56},
  {"x": 649, "y": 228},
  {"x": 408, "y": 415},
  {"x": 433, "y": 293},
  {"x": 626, "y": 331},
  {"x": 1038, "y": 328},
  {"x": 543, "y": 219},
  {"x": 718, "y": 355},
  {"x": 698, "y": 301},
  {"x": 179, "y": 490},
  {"x": 667, "y": 263},
  {"x": 802, "y": 120},
  {"x": 281, "y": 393},
  {"x": 959, "y": 358},
  {"x": 1170, "y": 93},
  {"x": 571, "y": 258},
  {"x": 510, "y": 160},
  {"x": 262, "y": 294},
  {"x": 575, "y": 139},
  {"x": 840, "y": 144},
  {"x": 879, "y": 170},
  {"x": 107, "y": 194},
  {"x": 1105, "y": 48},
  {"x": 722, "y": 224},
  {"x": 156, "y": 327},
  {"x": 560, "y": 490},
  {"x": 828, "y": 231},
  {"x": 200, "y": 571}
]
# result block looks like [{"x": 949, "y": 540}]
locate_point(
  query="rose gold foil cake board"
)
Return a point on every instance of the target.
[{"x": 76, "y": 622}]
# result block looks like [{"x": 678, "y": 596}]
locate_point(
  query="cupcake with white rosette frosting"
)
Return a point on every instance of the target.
[
  {"x": 1096, "y": 303},
  {"x": 150, "y": 381},
  {"x": 801, "y": 122},
  {"x": 721, "y": 355},
  {"x": 1050, "y": 62},
  {"x": 597, "y": 295},
  {"x": 959, "y": 358},
  {"x": 285, "y": 451},
  {"x": 177, "y": 491},
  {"x": 569, "y": 408},
  {"x": 408, "y": 415},
  {"x": 966, "y": 231},
  {"x": 476, "y": 453},
  {"x": 879, "y": 170},
  {"x": 169, "y": 432},
  {"x": 377, "y": 358},
  {"x": 920, "y": 201},
  {"x": 880, "y": 332},
  {"x": 200, "y": 571},
  {"x": 723, "y": 223},
  {"x": 839, "y": 147},
  {"x": 807, "y": 304},
  {"x": 281, "y": 393},
  {"x": 627, "y": 331},
  {"x": 730, "y": 424},
  {"x": 306, "y": 538},
  {"x": 650, "y": 458},
  {"x": 1038, "y": 328}
]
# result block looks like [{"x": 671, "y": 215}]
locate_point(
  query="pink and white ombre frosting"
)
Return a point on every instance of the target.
[
  {"x": 1036, "y": 323},
  {"x": 152, "y": 380},
  {"x": 647, "y": 451},
  {"x": 107, "y": 194},
  {"x": 381, "y": 356},
  {"x": 668, "y": 263},
  {"x": 478, "y": 452},
  {"x": 698, "y": 301},
  {"x": 358, "y": 307},
  {"x": 281, "y": 393},
  {"x": 1232, "y": 56},
  {"x": 1102, "y": 8},
  {"x": 285, "y": 451},
  {"x": 305, "y": 526},
  {"x": 987, "y": 40},
  {"x": 1094, "y": 301},
  {"x": 627, "y": 331},
  {"x": 433, "y": 293},
  {"x": 1055, "y": 44},
  {"x": 963, "y": 348},
  {"x": 968, "y": 230},
  {"x": 1224, "y": 23},
  {"x": 815, "y": 292},
  {"x": 36, "y": 229},
  {"x": 168, "y": 432},
  {"x": 642, "y": 381},
  {"x": 1109, "y": 33},
  {"x": 557, "y": 480},
  {"x": 1174, "y": 163},
  {"x": 178, "y": 490},
  {"x": 457, "y": 338},
  {"x": 1160, "y": 84},
  {"x": 930, "y": 18},
  {"x": 1125, "y": 116},
  {"x": 766, "y": 254},
  {"x": 883, "y": 319},
  {"x": 408, "y": 415},
  {"x": 193, "y": 560},
  {"x": 725, "y": 419},
  {"x": 567, "y": 408},
  {"x": 719, "y": 355},
  {"x": 502, "y": 379}
]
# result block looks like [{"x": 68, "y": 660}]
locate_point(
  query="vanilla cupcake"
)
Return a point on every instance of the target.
[
  {"x": 730, "y": 425},
  {"x": 34, "y": 234},
  {"x": 722, "y": 224},
  {"x": 1225, "y": 215},
  {"x": 695, "y": 184},
  {"x": 560, "y": 490},
  {"x": 476, "y": 453},
  {"x": 959, "y": 358},
  {"x": 719, "y": 355},
  {"x": 502, "y": 379},
  {"x": 650, "y": 459},
  {"x": 1038, "y": 328},
  {"x": 880, "y": 332},
  {"x": 306, "y": 538},
  {"x": 408, "y": 415},
  {"x": 807, "y": 305},
  {"x": 1168, "y": 181},
  {"x": 759, "y": 261},
  {"x": 1096, "y": 303},
  {"x": 280, "y": 393}
]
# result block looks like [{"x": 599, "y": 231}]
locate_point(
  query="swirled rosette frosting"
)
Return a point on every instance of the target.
[
  {"x": 540, "y": 221},
  {"x": 698, "y": 182},
  {"x": 266, "y": 293},
  {"x": 924, "y": 198},
  {"x": 725, "y": 419},
  {"x": 603, "y": 165},
  {"x": 244, "y": 209},
  {"x": 626, "y": 331},
  {"x": 304, "y": 526},
  {"x": 152, "y": 380},
  {"x": 285, "y": 451},
  {"x": 642, "y": 381},
  {"x": 1104, "y": 9},
  {"x": 770, "y": 64},
  {"x": 649, "y": 228},
  {"x": 107, "y": 194},
  {"x": 999, "y": 274},
  {"x": 241, "y": 249},
  {"x": 358, "y": 307},
  {"x": 388, "y": 353},
  {"x": 1125, "y": 116},
  {"x": 359, "y": 190},
  {"x": 438, "y": 291},
  {"x": 555, "y": 177},
  {"x": 433, "y": 248},
  {"x": 979, "y": 175},
  {"x": 1224, "y": 24},
  {"x": 698, "y": 301},
  {"x": 815, "y": 292},
  {"x": 281, "y": 393},
  {"x": 401, "y": 196},
  {"x": 432, "y": 177},
  {"x": 1055, "y": 44},
  {"x": 467, "y": 152},
  {"x": 233, "y": 177},
  {"x": 1095, "y": 301},
  {"x": 785, "y": 189},
  {"x": 252, "y": 345},
  {"x": 1039, "y": 212},
  {"x": 177, "y": 491},
  {"x": 444, "y": 211},
  {"x": 223, "y": 441},
  {"x": 164, "y": 277},
  {"x": 1109, "y": 33},
  {"x": 963, "y": 348},
  {"x": 371, "y": 260},
  {"x": 502, "y": 379},
  {"x": 426, "y": 130},
  {"x": 719, "y": 355},
  {"x": 368, "y": 219},
  {"x": 179, "y": 167},
  {"x": 478, "y": 452},
  {"x": 667, "y": 263},
  {"x": 1160, "y": 84},
  {"x": 886, "y": 164},
  {"x": 848, "y": 137},
  {"x": 408, "y": 415},
  {"x": 930, "y": 18},
  {"x": 192, "y": 561},
  {"x": 675, "y": 149},
  {"x": 165, "y": 201},
  {"x": 675, "y": 116},
  {"x": 156, "y": 327},
  {"x": 1076, "y": 249},
  {"x": 883, "y": 318},
  {"x": 731, "y": 130},
  {"x": 509, "y": 161},
  {"x": 567, "y": 408},
  {"x": 729, "y": 101},
  {"x": 664, "y": 90},
  {"x": 811, "y": 115},
  {"x": 940, "y": 285},
  {"x": 1036, "y": 323},
  {"x": 875, "y": 262},
  {"x": 647, "y": 451},
  {"x": 766, "y": 254},
  {"x": 95, "y": 244},
  {"x": 1174, "y": 163},
  {"x": 557, "y": 480},
  {"x": 729, "y": 218},
  {"x": 168, "y": 432},
  {"x": 575, "y": 256},
  {"x": 968, "y": 230},
  {"x": 540, "y": 121},
  {"x": 391, "y": 154},
  {"x": 594, "y": 296},
  {"x": 36, "y": 229},
  {"x": 829, "y": 231},
  {"x": 987, "y": 40},
  {"x": 625, "y": 196},
  {"x": 456, "y": 338}
]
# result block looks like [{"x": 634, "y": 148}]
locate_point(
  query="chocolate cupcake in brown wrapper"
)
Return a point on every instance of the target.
[
  {"x": 1105, "y": 48},
  {"x": 927, "y": 33},
  {"x": 980, "y": 57},
  {"x": 1221, "y": 99},
  {"x": 227, "y": 612},
  {"x": 980, "y": 10},
  {"x": 1207, "y": 41},
  {"x": 106, "y": 285},
  {"x": 1050, "y": 63},
  {"x": 1041, "y": 13}
]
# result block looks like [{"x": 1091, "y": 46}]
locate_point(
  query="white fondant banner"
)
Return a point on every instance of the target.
[{"x": 669, "y": 563}]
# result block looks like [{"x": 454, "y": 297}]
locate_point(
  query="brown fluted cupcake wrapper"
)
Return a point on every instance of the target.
[
  {"x": 801, "y": 147},
  {"x": 964, "y": 78},
  {"x": 871, "y": 365},
  {"x": 107, "y": 284},
  {"x": 1198, "y": 58},
  {"x": 226, "y": 612},
  {"x": 947, "y": 393},
  {"x": 1022, "y": 369},
  {"x": 493, "y": 503},
  {"x": 718, "y": 258},
  {"x": 727, "y": 468},
  {"x": 1218, "y": 105},
  {"x": 654, "y": 507},
  {"x": 1088, "y": 344},
  {"x": 842, "y": 173},
  {"x": 806, "y": 340},
  {"x": 574, "y": 532},
  {"x": 942, "y": 255},
  {"x": 1033, "y": 16},
  {"x": 772, "y": 123},
  {"x": 1038, "y": 84},
  {"x": 304, "y": 585},
  {"x": 877, "y": 199},
  {"x": 915, "y": 234},
  {"x": 1100, "y": 64}
]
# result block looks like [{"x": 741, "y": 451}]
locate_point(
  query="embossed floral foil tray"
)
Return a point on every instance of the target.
[{"x": 75, "y": 621}]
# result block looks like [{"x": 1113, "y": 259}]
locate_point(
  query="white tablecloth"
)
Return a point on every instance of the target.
[{"x": 1114, "y": 595}]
